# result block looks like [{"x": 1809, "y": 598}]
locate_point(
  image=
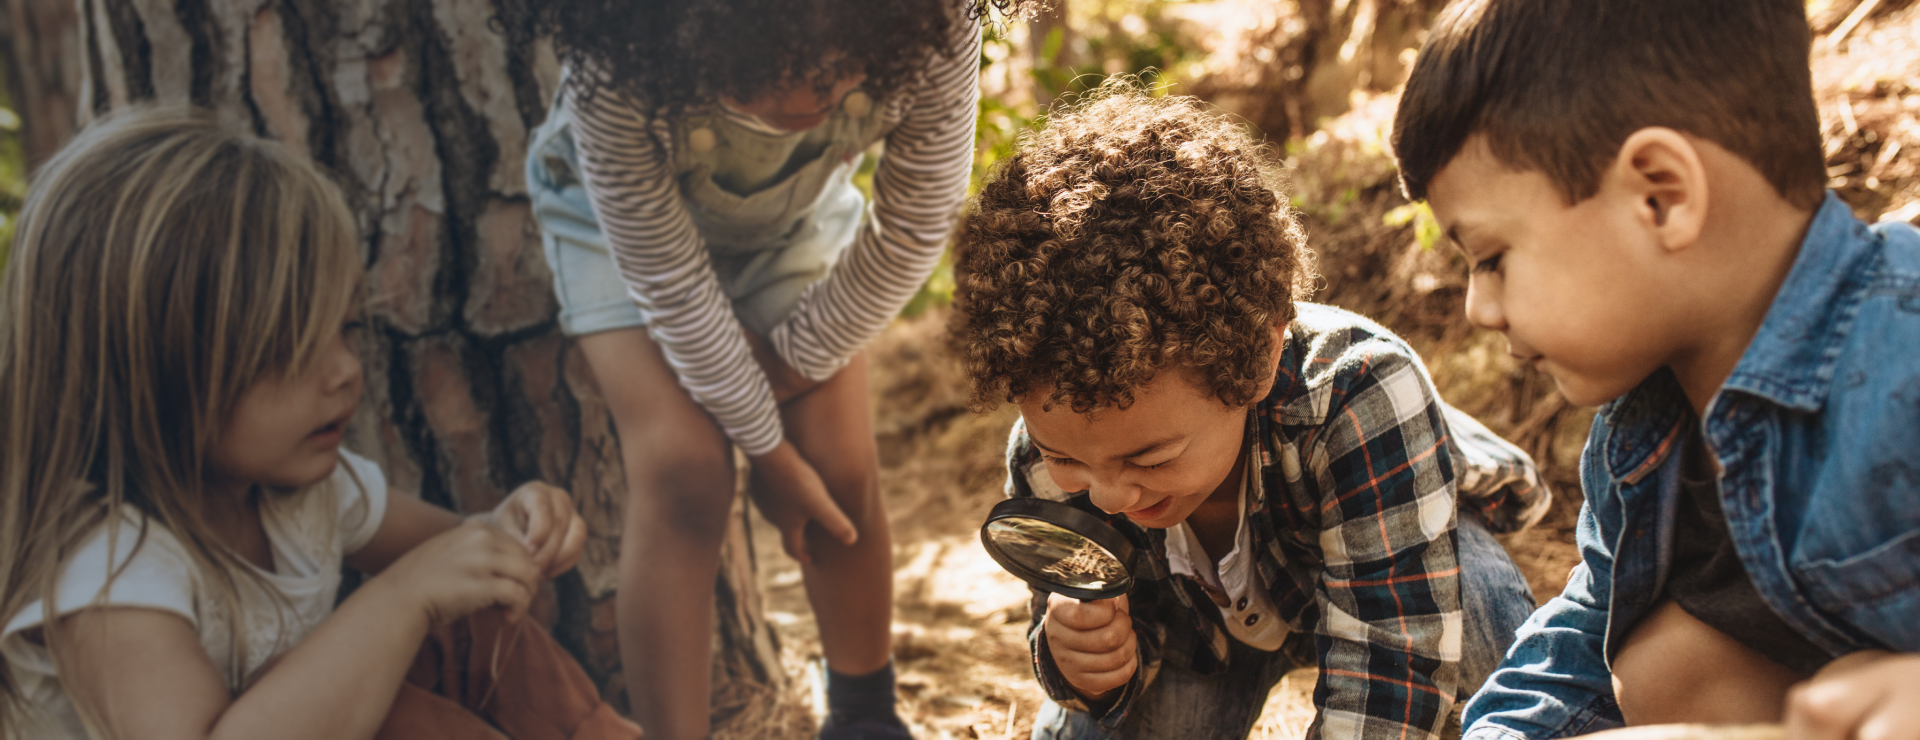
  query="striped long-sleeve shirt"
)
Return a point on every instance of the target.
[{"x": 662, "y": 257}]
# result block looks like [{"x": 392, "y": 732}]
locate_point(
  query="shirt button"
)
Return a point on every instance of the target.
[
  {"x": 702, "y": 140},
  {"x": 1242, "y": 606},
  {"x": 1251, "y": 618},
  {"x": 857, "y": 104}
]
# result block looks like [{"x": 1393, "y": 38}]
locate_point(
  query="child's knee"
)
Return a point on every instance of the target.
[
  {"x": 1675, "y": 668},
  {"x": 688, "y": 487},
  {"x": 857, "y": 492}
]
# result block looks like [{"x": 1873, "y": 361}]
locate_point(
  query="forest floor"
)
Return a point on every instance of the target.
[{"x": 960, "y": 622}]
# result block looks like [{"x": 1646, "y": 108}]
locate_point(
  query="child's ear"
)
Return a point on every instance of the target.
[
  {"x": 1273, "y": 361},
  {"x": 1660, "y": 173}
]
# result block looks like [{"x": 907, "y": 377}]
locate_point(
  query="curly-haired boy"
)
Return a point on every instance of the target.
[
  {"x": 1128, "y": 279},
  {"x": 1639, "y": 186}
]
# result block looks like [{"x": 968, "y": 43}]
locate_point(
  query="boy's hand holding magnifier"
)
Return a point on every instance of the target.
[
  {"x": 1092, "y": 643},
  {"x": 1086, "y": 566}
]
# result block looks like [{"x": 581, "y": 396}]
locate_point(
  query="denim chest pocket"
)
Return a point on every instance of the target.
[{"x": 1877, "y": 591}]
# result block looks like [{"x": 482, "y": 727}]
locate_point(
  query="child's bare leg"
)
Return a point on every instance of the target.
[
  {"x": 679, "y": 469},
  {"x": 1675, "y": 668},
  {"x": 850, "y": 588}
]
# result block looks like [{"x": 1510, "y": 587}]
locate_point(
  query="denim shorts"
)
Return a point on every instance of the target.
[{"x": 763, "y": 283}]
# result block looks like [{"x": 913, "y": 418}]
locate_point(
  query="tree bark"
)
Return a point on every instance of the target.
[
  {"x": 43, "y": 49},
  {"x": 421, "y": 110}
]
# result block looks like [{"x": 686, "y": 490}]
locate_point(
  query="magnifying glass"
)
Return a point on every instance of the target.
[{"x": 1059, "y": 548}]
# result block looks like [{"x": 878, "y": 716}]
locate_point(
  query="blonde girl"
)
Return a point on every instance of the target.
[{"x": 174, "y": 503}]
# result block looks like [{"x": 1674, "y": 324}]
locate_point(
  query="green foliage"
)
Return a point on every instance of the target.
[
  {"x": 1131, "y": 35},
  {"x": 13, "y": 169},
  {"x": 1426, "y": 228}
]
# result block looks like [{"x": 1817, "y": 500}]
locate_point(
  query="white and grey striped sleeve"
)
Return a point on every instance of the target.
[
  {"x": 663, "y": 260},
  {"x": 918, "y": 187}
]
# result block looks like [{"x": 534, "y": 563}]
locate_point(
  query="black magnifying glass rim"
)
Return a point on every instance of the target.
[{"x": 1073, "y": 520}]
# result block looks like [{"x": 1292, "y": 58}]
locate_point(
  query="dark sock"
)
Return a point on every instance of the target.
[{"x": 853, "y": 699}]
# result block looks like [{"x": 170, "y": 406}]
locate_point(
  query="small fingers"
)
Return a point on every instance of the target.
[
  {"x": 1828, "y": 709},
  {"x": 571, "y": 547},
  {"x": 794, "y": 541},
  {"x": 513, "y": 596},
  {"x": 822, "y": 509},
  {"x": 1111, "y": 637},
  {"x": 1891, "y": 720},
  {"x": 1081, "y": 616},
  {"x": 538, "y": 520},
  {"x": 1099, "y": 673}
]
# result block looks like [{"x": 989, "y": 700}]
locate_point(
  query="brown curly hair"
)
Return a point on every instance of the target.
[{"x": 1129, "y": 235}]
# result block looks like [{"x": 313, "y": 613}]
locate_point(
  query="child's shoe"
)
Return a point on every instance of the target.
[{"x": 861, "y": 707}]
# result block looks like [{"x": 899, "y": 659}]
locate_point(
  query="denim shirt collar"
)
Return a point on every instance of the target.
[{"x": 1790, "y": 361}]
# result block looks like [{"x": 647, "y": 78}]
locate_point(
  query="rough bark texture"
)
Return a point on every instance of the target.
[
  {"x": 42, "y": 39},
  {"x": 421, "y": 110}
]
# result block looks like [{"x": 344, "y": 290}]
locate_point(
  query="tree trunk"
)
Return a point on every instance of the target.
[
  {"x": 42, "y": 53},
  {"x": 421, "y": 110}
]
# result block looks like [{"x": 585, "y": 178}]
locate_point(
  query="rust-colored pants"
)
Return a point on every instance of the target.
[{"x": 482, "y": 678}]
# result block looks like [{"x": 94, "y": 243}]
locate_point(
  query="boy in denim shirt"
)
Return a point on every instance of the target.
[
  {"x": 1638, "y": 185},
  {"x": 1291, "y": 478}
]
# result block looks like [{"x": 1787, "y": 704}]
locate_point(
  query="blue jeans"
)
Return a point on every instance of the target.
[{"x": 1184, "y": 704}]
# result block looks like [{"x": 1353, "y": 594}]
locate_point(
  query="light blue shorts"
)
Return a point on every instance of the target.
[{"x": 764, "y": 284}]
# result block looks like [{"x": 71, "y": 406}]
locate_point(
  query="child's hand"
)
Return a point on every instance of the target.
[
  {"x": 790, "y": 494},
  {"x": 463, "y": 570},
  {"x": 787, "y": 382},
  {"x": 1868, "y": 695},
  {"x": 542, "y": 517},
  {"x": 1092, "y": 643}
]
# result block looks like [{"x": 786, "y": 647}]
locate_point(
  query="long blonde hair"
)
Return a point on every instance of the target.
[{"x": 162, "y": 264}]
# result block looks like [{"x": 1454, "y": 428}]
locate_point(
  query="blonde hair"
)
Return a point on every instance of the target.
[{"x": 162, "y": 264}]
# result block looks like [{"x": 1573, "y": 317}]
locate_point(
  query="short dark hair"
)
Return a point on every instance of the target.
[
  {"x": 1558, "y": 85},
  {"x": 1132, "y": 235}
]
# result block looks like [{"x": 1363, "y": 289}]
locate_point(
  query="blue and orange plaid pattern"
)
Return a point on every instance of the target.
[{"x": 1362, "y": 469}]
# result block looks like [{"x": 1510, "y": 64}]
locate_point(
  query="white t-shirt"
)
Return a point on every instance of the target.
[
  {"x": 310, "y": 532},
  {"x": 1235, "y": 584}
]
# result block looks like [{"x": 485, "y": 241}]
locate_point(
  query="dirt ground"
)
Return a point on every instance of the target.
[{"x": 960, "y": 621}]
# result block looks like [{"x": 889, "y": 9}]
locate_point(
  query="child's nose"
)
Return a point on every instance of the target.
[
  {"x": 1113, "y": 495},
  {"x": 1483, "y": 307},
  {"x": 343, "y": 365}
]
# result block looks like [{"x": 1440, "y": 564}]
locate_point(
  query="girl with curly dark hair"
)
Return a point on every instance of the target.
[{"x": 723, "y": 274}]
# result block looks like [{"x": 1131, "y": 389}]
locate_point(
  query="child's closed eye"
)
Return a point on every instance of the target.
[
  {"x": 1052, "y": 460},
  {"x": 1490, "y": 264}
]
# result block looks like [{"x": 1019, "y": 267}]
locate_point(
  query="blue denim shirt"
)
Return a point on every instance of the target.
[{"x": 1818, "y": 432}]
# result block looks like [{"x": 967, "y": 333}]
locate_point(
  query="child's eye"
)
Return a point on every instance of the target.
[
  {"x": 1155, "y": 466},
  {"x": 1051, "y": 460},
  {"x": 1489, "y": 264}
]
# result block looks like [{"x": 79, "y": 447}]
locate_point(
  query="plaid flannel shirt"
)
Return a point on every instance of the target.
[{"x": 1361, "y": 469}]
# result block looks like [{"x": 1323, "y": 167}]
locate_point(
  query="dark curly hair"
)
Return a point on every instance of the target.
[
  {"x": 674, "y": 54},
  {"x": 1129, "y": 235}
]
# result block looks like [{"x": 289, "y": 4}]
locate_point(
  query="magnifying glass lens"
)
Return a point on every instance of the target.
[
  {"x": 1065, "y": 557},
  {"x": 1056, "y": 547}
]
